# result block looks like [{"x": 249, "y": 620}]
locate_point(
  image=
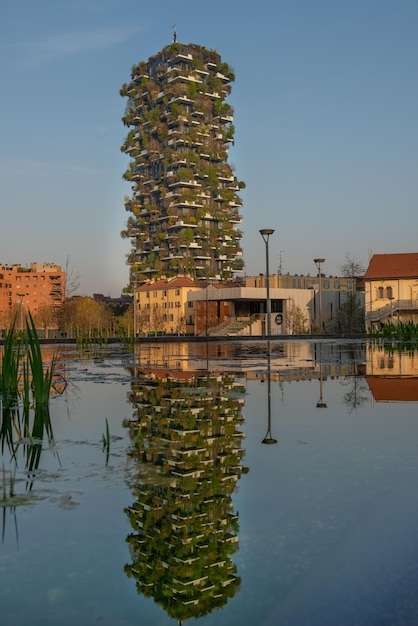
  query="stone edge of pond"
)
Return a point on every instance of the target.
[{"x": 203, "y": 339}]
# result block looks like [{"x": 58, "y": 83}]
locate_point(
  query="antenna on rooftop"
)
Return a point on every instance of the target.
[
  {"x": 280, "y": 261},
  {"x": 174, "y": 33}
]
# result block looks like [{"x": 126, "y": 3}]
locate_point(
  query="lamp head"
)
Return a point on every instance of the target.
[{"x": 266, "y": 232}]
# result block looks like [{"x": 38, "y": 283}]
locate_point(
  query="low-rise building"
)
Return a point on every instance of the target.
[
  {"x": 298, "y": 304},
  {"x": 163, "y": 306},
  {"x": 391, "y": 288}
]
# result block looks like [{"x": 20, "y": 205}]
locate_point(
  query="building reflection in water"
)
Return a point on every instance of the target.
[
  {"x": 187, "y": 444},
  {"x": 392, "y": 376}
]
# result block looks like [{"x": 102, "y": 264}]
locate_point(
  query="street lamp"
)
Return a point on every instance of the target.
[
  {"x": 265, "y": 233},
  {"x": 391, "y": 299},
  {"x": 21, "y": 296},
  {"x": 318, "y": 265}
]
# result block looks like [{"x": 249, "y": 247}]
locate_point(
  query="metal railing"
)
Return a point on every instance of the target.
[{"x": 388, "y": 310}]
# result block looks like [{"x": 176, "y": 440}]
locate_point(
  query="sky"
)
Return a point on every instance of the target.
[{"x": 326, "y": 119}]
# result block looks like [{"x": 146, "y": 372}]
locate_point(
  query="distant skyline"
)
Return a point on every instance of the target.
[{"x": 325, "y": 98}]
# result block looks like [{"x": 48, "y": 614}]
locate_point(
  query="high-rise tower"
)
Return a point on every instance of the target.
[{"x": 184, "y": 206}]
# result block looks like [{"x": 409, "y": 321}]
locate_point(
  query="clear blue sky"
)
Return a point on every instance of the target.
[{"x": 326, "y": 108}]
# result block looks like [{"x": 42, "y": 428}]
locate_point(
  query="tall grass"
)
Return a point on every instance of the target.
[
  {"x": 25, "y": 390},
  {"x": 42, "y": 380}
]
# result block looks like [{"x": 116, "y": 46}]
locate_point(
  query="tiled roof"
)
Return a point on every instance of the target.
[
  {"x": 393, "y": 266},
  {"x": 173, "y": 283}
]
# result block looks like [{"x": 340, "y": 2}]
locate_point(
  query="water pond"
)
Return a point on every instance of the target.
[{"x": 224, "y": 483}]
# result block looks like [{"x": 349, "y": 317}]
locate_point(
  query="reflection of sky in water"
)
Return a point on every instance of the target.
[{"x": 328, "y": 516}]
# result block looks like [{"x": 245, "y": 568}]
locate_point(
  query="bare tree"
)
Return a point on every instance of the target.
[
  {"x": 351, "y": 313},
  {"x": 72, "y": 279},
  {"x": 351, "y": 267}
]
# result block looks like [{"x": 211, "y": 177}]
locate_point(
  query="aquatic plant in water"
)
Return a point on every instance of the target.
[{"x": 25, "y": 390}]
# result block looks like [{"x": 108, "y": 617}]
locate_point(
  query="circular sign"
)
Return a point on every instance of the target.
[{"x": 278, "y": 319}]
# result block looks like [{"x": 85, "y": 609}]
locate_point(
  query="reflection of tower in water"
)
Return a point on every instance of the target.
[{"x": 184, "y": 528}]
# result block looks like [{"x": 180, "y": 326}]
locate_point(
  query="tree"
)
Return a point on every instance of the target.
[
  {"x": 351, "y": 267},
  {"x": 46, "y": 318},
  {"x": 85, "y": 316},
  {"x": 72, "y": 279},
  {"x": 296, "y": 321},
  {"x": 351, "y": 313}
]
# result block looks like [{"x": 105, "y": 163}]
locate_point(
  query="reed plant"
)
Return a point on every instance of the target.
[
  {"x": 42, "y": 379},
  {"x": 106, "y": 441},
  {"x": 25, "y": 390},
  {"x": 10, "y": 368}
]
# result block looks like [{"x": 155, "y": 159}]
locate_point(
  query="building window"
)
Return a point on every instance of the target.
[
  {"x": 380, "y": 293},
  {"x": 389, "y": 292},
  {"x": 336, "y": 284},
  {"x": 177, "y": 292},
  {"x": 326, "y": 284}
]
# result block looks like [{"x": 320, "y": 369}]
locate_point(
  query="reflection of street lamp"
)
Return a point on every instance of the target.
[
  {"x": 265, "y": 233},
  {"x": 268, "y": 439},
  {"x": 318, "y": 265},
  {"x": 320, "y": 404}
]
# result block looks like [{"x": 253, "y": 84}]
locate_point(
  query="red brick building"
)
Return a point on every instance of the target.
[{"x": 35, "y": 289}]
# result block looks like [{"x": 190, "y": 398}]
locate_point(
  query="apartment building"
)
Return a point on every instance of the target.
[
  {"x": 163, "y": 306},
  {"x": 185, "y": 208},
  {"x": 31, "y": 289}
]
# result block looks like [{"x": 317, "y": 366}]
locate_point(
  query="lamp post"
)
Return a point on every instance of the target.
[
  {"x": 318, "y": 265},
  {"x": 391, "y": 299},
  {"x": 21, "y": 296},
  {"x": 265, "y": 233}
]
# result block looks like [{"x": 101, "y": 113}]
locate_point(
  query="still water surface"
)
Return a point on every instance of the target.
[{"x": 242, "y": 485}]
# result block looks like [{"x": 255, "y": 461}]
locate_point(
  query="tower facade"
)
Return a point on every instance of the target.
[{"x": 185, "y": 208}]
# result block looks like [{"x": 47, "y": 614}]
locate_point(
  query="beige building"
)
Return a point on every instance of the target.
[
  {"x": 163, "y": 307},
  {"x": 391, "y": 288}
]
